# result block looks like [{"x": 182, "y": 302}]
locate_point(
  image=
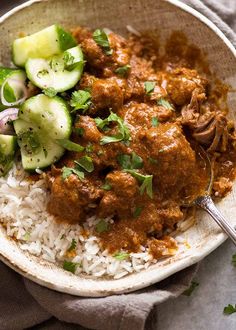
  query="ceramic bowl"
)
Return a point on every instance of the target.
[{"x": 161, "y": 16}]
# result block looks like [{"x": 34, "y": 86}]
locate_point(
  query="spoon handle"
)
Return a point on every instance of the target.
[{"x": 208, "y": 205}]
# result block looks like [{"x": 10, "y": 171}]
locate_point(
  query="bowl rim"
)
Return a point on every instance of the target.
[{"x": 117, "y": 286}]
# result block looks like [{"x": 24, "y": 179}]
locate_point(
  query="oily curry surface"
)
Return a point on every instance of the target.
[{"x": 144, "y": 120}]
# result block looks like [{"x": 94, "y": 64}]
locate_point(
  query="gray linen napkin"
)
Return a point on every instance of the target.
[{"x": 24, "y": 304}]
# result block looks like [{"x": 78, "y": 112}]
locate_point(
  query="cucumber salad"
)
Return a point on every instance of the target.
[{"x": 35, "y": 114}]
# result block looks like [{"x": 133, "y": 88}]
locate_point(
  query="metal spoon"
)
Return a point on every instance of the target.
[{"x": 206, "y": 203}]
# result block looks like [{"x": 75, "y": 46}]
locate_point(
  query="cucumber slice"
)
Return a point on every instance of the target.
[
  {"x": 59, "y": 72},
  {"x": 43, "y": 44},
  {"x": 4, "y": 72},
  {"x": 42, "y": 120},
  {"x": 13, "y": 90},
  {"x": 8, "y": 146}
]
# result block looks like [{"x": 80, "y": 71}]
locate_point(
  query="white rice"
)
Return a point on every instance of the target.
[{"x": 23, "y": 214}]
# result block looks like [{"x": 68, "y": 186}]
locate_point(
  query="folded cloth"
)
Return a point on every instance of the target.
[{"x": 24, "y": 304}]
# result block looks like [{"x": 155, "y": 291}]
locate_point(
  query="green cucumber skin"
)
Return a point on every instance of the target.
[
  {"x": 30, "y": 121},
  {"x": 62, "y": 38},
  {"x": 8, "y": 146},
  {"x": 4, "y": 73},
  {"x": 66, "y": 40},
  {"x": 11, "y": 144}
]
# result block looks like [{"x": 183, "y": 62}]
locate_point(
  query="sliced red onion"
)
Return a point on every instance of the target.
[
  {"x": 6, "y": 116},
  {"x": 20, "y": 85}
]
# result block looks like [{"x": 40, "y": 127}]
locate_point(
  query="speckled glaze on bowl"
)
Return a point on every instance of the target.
[{"x": 163, "y": 16}]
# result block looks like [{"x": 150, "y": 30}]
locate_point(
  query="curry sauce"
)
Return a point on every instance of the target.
[{"x": 147, "y": 116}]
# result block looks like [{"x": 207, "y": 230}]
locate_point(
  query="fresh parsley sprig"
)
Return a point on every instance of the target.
[
  {"x": 101, "y": 38},
  {"x": 80, "y": 100},
  {"x": 123, "y": 131},
  {"x": 145, "y": 180}
]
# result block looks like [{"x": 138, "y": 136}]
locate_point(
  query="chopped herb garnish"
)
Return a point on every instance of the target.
[
  {"x": 230, "y": 309},
  {"x": 100, "y": 152},
  {"x": 234, "y": 260},
  {"x": 71, "y": 146},
  {"x": 73, "y": 245},
  {"x": 70, "y": 266},
  {"x": 123, "y": 70},
  {"x": 78, "y": 131},
  {"x": 137, "y": 211},
  {"x": 101, "y": 38},
  {"x": 149, "y": 86},
  {"x": 86, "y": 163},
  {"x": 29, "y": 141},
  {"x": 164, "y": 103},
  {"x": 130, "y": 162},
  {"x": 42, "y": 73},
  {"x": 67, "y": 171},
  {"x": 122, "y": 135},
  {"x": 51, "y": 92},
  {"x": 152, "y": 160},
  {"x": 146, "y": 181},
  {"x": 57, "y": 64},
  {"x": 102, "y": 226},
  {"x": 155, "y": 122},
  {"x": 80, "y": 100},
  {"x": 106, "y": 186},
  {"x": 89, "y": 147},
  {"x": 68, "y": 59},
  {"x": 190, "y": 290},
  {"x": 121, "y": 255}
]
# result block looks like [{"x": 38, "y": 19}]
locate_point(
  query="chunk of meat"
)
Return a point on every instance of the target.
[
  {"x": 70, "y": 198},
  {"x": 97, "y": 58},
  {"x": 106, "y": 94},
  {"x": 121, "y": 198},
  {"x": 181, "y": 84},
  {"x": 222, "y": 186},
  {"x": 207, "y": 126},
  {"x": 139, "y": 116},
  {"x": 132, "y": 233},
  {"x": 173, "y": 159}
]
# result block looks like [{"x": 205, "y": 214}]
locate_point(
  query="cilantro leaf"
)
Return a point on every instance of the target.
[
  {"x": 80, "y": 100},
  {"x": 123, "y": 70},
  {"x": 137, "y": 211},
  {"x": 78, "y": 131},
  {"x": 73, "y": 245},
  {"x": 230, "y": 309},
  {"x": 155, "y": 122},
  {"x": 71, "y": 146},
  {"x": 190, "y": 290},
  {"x": 149, "y": 86},
  {"x": 68, "y": 59},
  {"x": 121, "y": 255},
  {"x": 102, "y": 226},
  {"x": 106, "y": 186},
  {"x": 152, "y": 160},
  {"x": 101, "y": 38},
  {"x": 86, "y": 163},
  {"x": 164, "y": 103},
  {"x": 234, "y": 260},
  {"x": 67, "y": 171},
  {"x": 50, "y": 91},
  {"x": 145, "y": 180},
  {"x": 130, "y": 162},
  {"x": 70, "y": 266},
  {"x": 89, "y": 147},
  {"x": 122, "y": 135}
]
